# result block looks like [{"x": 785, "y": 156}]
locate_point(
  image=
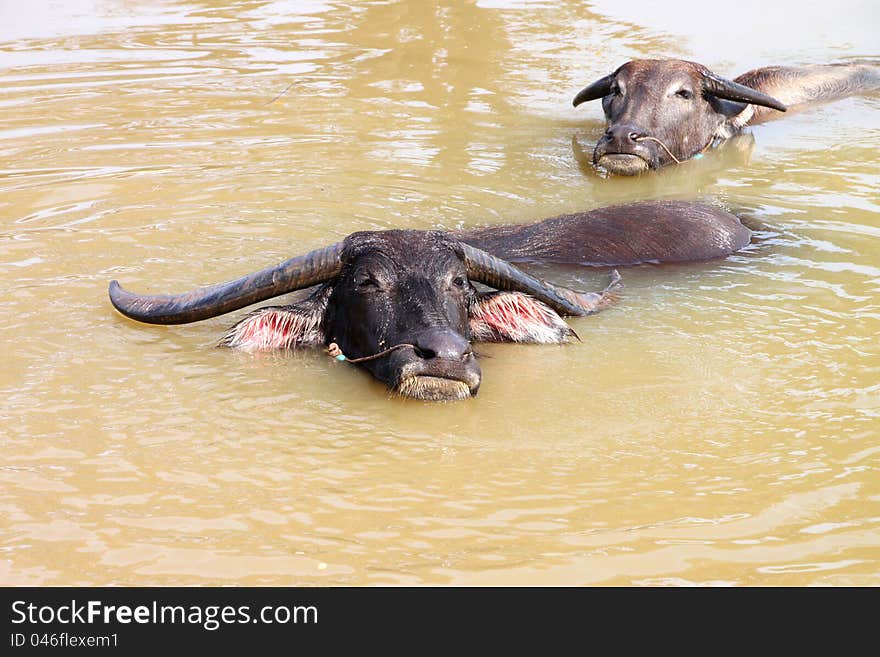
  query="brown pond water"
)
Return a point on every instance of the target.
[{"x": 719, "y": 425}]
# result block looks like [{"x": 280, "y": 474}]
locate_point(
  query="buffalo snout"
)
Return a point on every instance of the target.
[
  {"x": 440, "y": 366},
  {"x": 623, "y": 149}
]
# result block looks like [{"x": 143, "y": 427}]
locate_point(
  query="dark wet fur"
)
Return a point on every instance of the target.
[{"x": 650, "y": 231}]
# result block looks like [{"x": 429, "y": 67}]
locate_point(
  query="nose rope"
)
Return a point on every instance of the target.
[
  {"x": 334, "y": 350},
  {"x": 669, "y": 152}
]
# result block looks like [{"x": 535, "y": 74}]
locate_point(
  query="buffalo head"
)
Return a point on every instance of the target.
[
  {"x": 662, "y": 111},
  {"x": 407, "y": 295}
]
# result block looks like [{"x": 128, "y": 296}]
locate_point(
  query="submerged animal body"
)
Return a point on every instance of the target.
[
  {"x": 403, "y": 304},
  {"x": 664, "y": 111},
  {"x": 620, "y": 235}
]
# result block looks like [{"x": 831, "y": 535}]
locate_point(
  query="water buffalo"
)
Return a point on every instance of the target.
[
  {"x": 663, "y": 111},
  {"x": 402, "y": 302}
]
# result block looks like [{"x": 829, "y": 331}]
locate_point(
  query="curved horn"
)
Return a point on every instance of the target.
[
  {"x": 485, "y": 268},
  {"x": 600, "y": 88},
  {"x": 730, "y": 90},
  {"x": 295, "y": 274}
]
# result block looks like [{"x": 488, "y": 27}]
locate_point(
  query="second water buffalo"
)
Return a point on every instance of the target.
[{"x": 660, "y": 111}]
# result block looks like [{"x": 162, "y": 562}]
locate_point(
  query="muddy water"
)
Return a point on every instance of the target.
[{"x": 719, "y": 425}]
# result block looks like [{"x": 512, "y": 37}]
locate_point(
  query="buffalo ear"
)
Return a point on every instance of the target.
[
  {"x": 516, "y": 317},
  {"x": 281, "y": 327},
  {"x": 599, "y": 89}
]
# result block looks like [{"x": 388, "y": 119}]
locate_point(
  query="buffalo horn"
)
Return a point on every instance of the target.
[
  {"x": 730, "y": 90},
  {"x": 297, "y": 273},
  {"x": 599, "y": 89},
  {"x": 487, "y": 269}
]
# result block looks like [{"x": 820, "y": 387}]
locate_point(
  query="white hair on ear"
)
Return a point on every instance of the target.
[
  {"x": 516, "y": 317},
  {"x": 277, "y": 327}
]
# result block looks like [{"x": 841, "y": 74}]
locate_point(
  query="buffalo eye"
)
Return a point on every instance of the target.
[
  {"x": 615, "y": 89},
  {"x": 366, "y": 282},
  {"x": 458, "y": 281},
  {"x": 687, "y": 94}
]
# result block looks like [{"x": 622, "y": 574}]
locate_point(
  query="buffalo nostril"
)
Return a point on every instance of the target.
[
  {"x": 623, "y": 134},
  {"x": 440, "y": 343}
]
